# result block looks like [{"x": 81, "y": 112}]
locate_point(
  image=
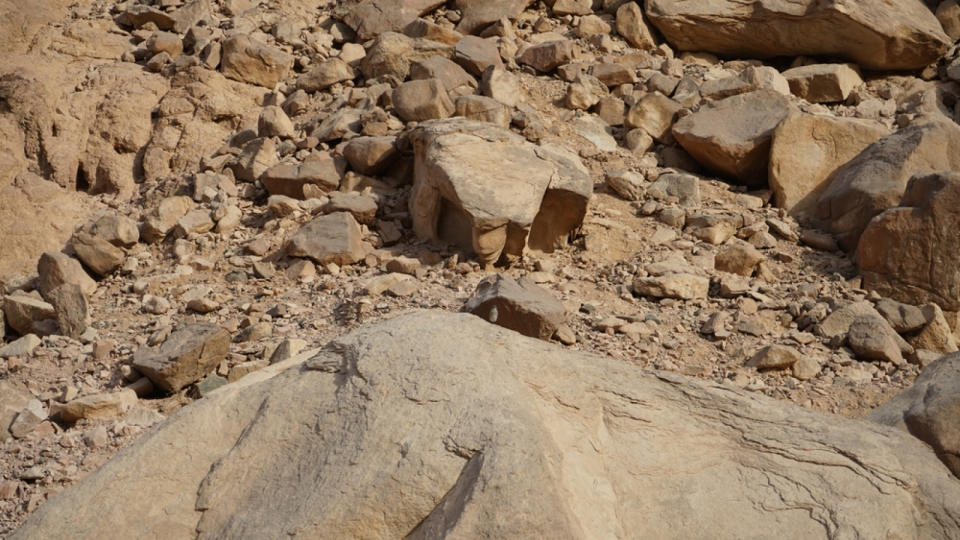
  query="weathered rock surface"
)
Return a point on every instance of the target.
[
  {"x": 732, "y": 137},
  {"x": 911, "y": 253},
  {"x": 807, "y": 151},
  {"x": 248, "y": 60},
  {"x": 332, "y": 238},
  {"x": 823, "y": 83},
  {"x": 522, "y": 306},
  {"x": 875, "y": 179},
  {"x": 904, "y": 35},
  {"x": 94, "y": 406},
  {"x": 556, "y": 443},
  {"x": 492, "y": 192},
  {"x": 187, "y": 356},
  {"x": 55, "y": 269},
  {"x": 930, "y": 410}
]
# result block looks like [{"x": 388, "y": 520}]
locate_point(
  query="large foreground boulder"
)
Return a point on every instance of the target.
[
  {"x": 930, "y": 410},
  {"x": 491, "y": 192},
  {"x": 877, "y": 35},
  {"x": 911, "y": 253},
  {"x": 438, "y": 425},
  {"x": 875, "y": 179}
]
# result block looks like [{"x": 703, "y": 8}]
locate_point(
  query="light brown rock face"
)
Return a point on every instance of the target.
[
  {"x": 522, "y": 306},
  {"x": 371, "y": 18},
  {"x": 875, "y": 179},
  {"x": 891, "y": 36},
  {"x": 490, "y": 191},
  {"x": 823, "y": 83},
  {"x": 333, "y": 238},
  {"x": 911, "y": 253},
  {"x": 732, "y": 136},
  {"x": 187, "y": 356},
  {"x": 806, "y": 152},
  {"x": 427, "y": 424},
  {"x": 930, "y": 410},
  {"x": 254, "y": 62}
]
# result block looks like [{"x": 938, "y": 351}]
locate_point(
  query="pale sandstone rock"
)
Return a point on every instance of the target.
[
  {"x": 483, "y": 109},
  {"x": 806, "y": 152},
  {"x": 750, "y": 79},
  {"x": 323, "y": 171},
  {"x": 904, "y": 35},
  {"x": 97, "y": 406},
  {"x": 522, "y": 306},
  {"x": 672, "y": 285},
  {"x": 935, "y": 335},
  {"x": 632, "y": 25},
  {"x": 426, "y": 99},
  {"x": 823, "y": 83},
  {"x": 55, "y": 269},
  {"x": 775, "y": 357},
  {"x": 732, "y": 137},
  {"x": 96, "y": 253},
  {"x": 455, "y": 79},
  {"x": 370, "y": 155},
  {"x": 333, "y": 238},
  {"x": 23, "y": 311},
  {"x": 187, "y": 356},
  {"x": 326, "y": 74},
  {"x": 371, "y": 18},
  {"x": 492, "y": 423},
  {"x": 928, "y": 410},
  {"x": 545, "y": 57},
  {"x": 273, "y": 122},
  {"x": 247, "y": 60},
  {"x": 164, "y": 217},
  {"x": 492, "y": 192},
  {"x": 655, "y": 114},
  {"x": 476, "y": 54},
  {"x": 908, "y": 253}
]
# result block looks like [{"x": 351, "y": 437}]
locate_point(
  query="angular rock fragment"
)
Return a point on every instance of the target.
[
  {"x": 911, "y": 253},
  {"x": 247, "y": 60},
  {"x": 823, "y": 83},
  {"x": 775, "y": 357},
  {"x": 55, "y": 269},
  {"x": 186, "y": 357},
  {"x": 492, "y": 192},
  {"x": 333, "y": 238},
  {"x": 522, "y": 306},
  {"x": 732, "y": 137},
  {"x": 672, "y": 285},
  {"x": 96, "y": 406}
]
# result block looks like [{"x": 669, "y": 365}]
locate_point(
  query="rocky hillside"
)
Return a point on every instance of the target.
[{"x": 195, "y": 195}]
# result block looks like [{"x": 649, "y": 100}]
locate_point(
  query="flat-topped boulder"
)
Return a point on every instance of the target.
[{"x": 491, "y": 192}]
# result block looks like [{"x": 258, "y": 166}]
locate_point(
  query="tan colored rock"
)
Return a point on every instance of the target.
[
  {"x": 936, "y": 335},
  {"x": 361, "y": 206},
  {"x": 119, "y": 230},
  {"x": 256, "y": 157},
  {"x": 476, "y": 54},
  {"x": 738, "y": 257},
  {"x": 732, "y": 137},
  {"x": 948, "y": 13},
  {"x": 416, "y": 101},
  {"x": 492, "y": 192},
  {"x": 545, "y": 57},
  {"x": 823, "y": 83},
  {"x": 371, "y": 18},
  {"x": 807, "y": 151},
  {"x": 160, "y": 42},
  {"x": 655, "y": 114},
  {"x": 775, "y": 357},
  {"x": 370, "y": 155},
  {"x": 70, "y": 304},
  {"x": 908, "y": 253},
  {"x": 928, "y": 410},
  {"x": 273, "y": 122},
  {"x": 333, "y": 238},
  {"x": 323, "y": 170},
  {"x": 572, "y": 7},
  {"x": 98, "y": 406},
  {"x": 96, "y": 253},
  {"x": 870, "y": 339},
  {"x": 187, "y": 356},
  {"x": 23, "y": 346},
  {"x": 672, "y": 285},
  {"x": 423, "y": 28},
  {"x": 247, "y": 60},
  {"x": 483, "y": 109},
  {"x": 55, "y": 269},
  {"x": 750, "y": 79},
  {"x": 23, "y": 311},
  {"x": 522, "y": 306},
  {"x": 501, "y": 85},
  {"x": 13, "y": 399},
  {"x": 454, "y": 78},
  {"x": 326, "y": 74},
  {"x": 888, "y": 37},
  {"x": 162, "y": 219},
  {"x": 508, "y": 426},
  {"x": 476, "y": 16},
  {"x": 632, "y": 25}
]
